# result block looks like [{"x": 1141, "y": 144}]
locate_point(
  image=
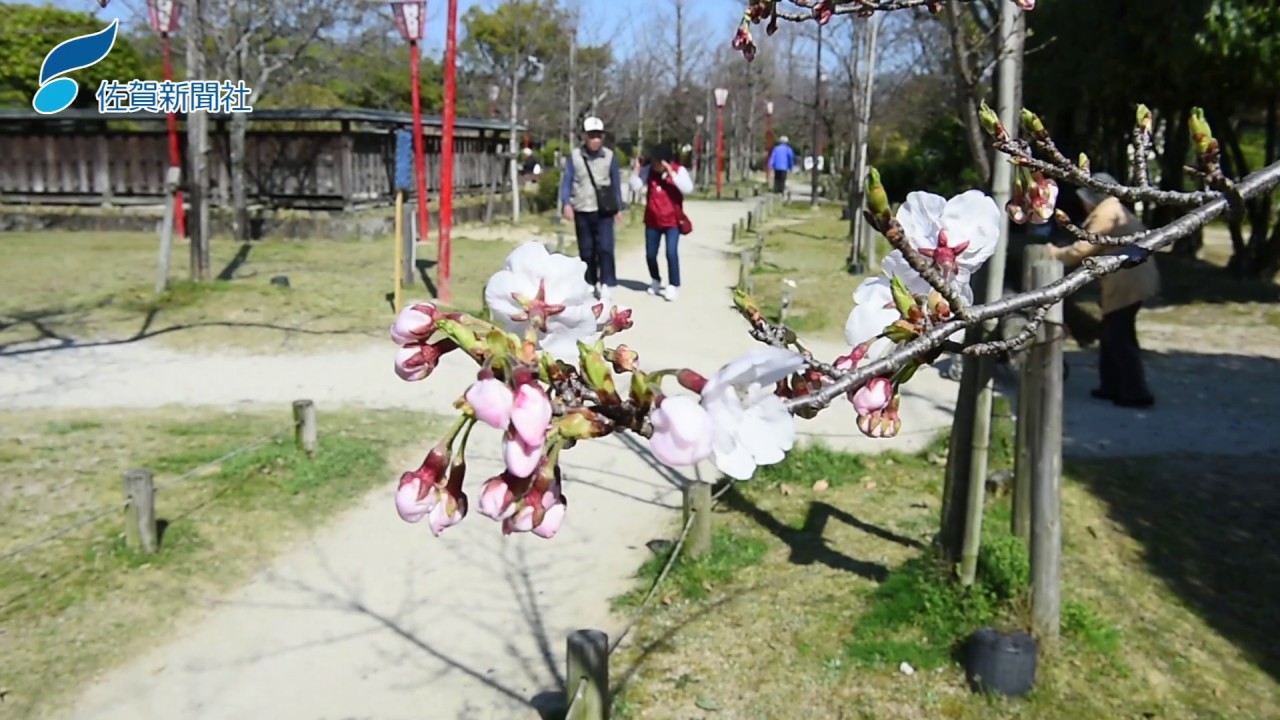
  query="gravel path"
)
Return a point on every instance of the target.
[{"x": 370, "y": 617}]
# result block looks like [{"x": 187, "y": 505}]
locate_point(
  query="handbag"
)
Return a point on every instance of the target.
[
  {"x": 606, "y": 202},
  {"x": 685, "y": 224}
]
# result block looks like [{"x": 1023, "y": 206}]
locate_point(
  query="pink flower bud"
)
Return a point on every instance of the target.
[
  {"x": 691, "y": 381},
  {"x": 521, "y": 521},
  {"x": 496, "y": 498},
  {"x": 520, "y": 457},
  {"x": 872, "y": 397},
  {"x": 419, "y": 490},
  {"x": 417, "y": 362},
  {"x": 682, "y": 432},
  {"x": 414, "y": 324},
  {"x": 531, "y": 414},
  {"x": 491, "y": 400},
  {"x": 552, "y": 518}
]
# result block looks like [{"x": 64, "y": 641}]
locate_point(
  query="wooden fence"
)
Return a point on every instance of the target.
[{"x": 96, "y": 163}]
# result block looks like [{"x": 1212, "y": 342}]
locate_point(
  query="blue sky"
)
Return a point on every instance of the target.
[{"x": 619, "y": 20}]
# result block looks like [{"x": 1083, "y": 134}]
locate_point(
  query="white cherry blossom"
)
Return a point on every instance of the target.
[
  {"x": 547, "y": 292},
  {"x": 752, "y": 425}
]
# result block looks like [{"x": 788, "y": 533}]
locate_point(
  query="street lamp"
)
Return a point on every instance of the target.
[
  {"x": 722, "y": 96},
  {"x": 411, "y": 19},
  {"x": 697, "y": 148},
  {"x": 445, "y": 250},
  {"x": 768, "y": 126},
  {"x": 163, "y": 16}
]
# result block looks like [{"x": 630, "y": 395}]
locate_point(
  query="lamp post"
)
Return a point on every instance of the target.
[
  {"x": 768, "y": 126},
  {"x": 722, "y": 96},
  {"x": 697, "y": 147},
  {"x": 411, "y": 19},
  {"x": 818, "y": 77},
  {"x": 163, "y": 17},
  {"x": 444, "y": 238}
]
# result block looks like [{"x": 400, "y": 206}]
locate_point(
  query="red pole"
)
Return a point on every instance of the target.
[
  {"x": 175, "y": 153},
  {"x": 719, "y": 149},
  {"x": 446, "y": 153},
  {"x": 424, "y": 223}
]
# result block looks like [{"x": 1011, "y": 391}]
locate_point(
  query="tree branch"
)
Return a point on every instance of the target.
[{"x": 1093, "y": 268}]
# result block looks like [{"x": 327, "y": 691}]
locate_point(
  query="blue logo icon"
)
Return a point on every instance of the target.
[{"x": 57, "y": 92}]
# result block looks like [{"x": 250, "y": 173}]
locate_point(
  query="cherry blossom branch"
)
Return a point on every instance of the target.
[
  {"x": 1024, "y": 336},
  {"x": 1092, "y": 269}
]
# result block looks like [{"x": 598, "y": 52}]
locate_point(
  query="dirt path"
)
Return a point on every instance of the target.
[{"x": 370, "y": 617}]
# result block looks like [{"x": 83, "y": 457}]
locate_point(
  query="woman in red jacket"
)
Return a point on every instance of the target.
[{"x": 665, "y": 183}]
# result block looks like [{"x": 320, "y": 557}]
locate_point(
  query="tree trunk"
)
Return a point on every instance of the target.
[
  {"x": 239, "y": 185},
  {"x": 968, "y": 90}
]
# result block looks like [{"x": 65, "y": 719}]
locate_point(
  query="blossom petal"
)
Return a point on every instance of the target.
[
  {"x": 973, "y": 217},
  {"x": 921, "y": 218}
]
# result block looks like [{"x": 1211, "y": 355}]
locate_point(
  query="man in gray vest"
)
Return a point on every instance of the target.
[{"x": 591, "y": 197}]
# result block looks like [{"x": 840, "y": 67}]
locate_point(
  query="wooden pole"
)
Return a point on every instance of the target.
[
  {"x": 1046, "y": 479},
  {"x": 140, "y": 510},
  {"x": 409, "y": 240},
  {"x": 697, "y": 503},
  {"x": 306, "y": 433},
  {"x": 785, "y": 309},
  {"x": 172, "y": 178},
  {"x": 1029, "y": 415},
  {"x": 758, "y": 259},
  {"x": 744, "y": 270},
  {"x": 398, "y": 275},
  {"x": 587, "y": 661}
]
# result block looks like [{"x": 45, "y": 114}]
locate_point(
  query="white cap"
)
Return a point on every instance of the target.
[
  {"x": 527, "y": 151},
  {"x": 593, "y": 124},
  {"x": 783, "y": 139}
]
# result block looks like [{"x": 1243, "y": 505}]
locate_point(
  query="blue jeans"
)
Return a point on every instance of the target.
[
  {"x": 652, "y": 238},
  {"x": 596, "y": 247}
]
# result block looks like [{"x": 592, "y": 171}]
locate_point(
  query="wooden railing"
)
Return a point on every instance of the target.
[{"x": 284, "y": 169}]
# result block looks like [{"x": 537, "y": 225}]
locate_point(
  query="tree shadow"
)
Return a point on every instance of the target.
[
  {"x": 38, "y": 320},
  {"x": 241, "y": 257},
  {"x": 1208, "y": 531},
  {"x": 808, "y": 544}
]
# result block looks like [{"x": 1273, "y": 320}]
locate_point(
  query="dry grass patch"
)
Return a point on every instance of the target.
[
  {"x": 845, "y": 591},
  {"x": 83, "y": 602},
  {"x": 86, "y": 287}
]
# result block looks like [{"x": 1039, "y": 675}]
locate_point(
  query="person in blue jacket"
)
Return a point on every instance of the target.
[
  {"x": 781, "y": 160},
  {"x": 591, "y": 198}
]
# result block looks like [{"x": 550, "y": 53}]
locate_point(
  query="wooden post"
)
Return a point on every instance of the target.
[
  {"x": 785, "y": 309},
  {"x": 305, "y": 433},
  {"x": 140, "y": 510},
  {"x": 744, "y": 270},
  {"x": 587, "y": 661},
  {"x": 560, "y": 241},
  {"x": 697, "y": 502},
  {"x": 409, "y": 239},
  {"x": 751, "y": 220},
  {"x": 172, "y": 177},
  {"x": 1046, "y": 478},
  {"x": 758, "y": 257},
  {"x": 1028, "y": 411}
]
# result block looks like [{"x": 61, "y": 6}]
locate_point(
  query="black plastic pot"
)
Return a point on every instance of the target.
[{"x": 1001, "y": 663}]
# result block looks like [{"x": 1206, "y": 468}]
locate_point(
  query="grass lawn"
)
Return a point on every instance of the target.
[
  {"x": 820, "y": 584},
  {"x": 810, "y": 247},
  {"x": 85, "y": 601},
  {"x": 82, "y": 287}
]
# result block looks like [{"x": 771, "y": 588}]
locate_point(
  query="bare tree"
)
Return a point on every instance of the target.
[{"x": 265, "y": 43}]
